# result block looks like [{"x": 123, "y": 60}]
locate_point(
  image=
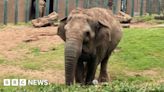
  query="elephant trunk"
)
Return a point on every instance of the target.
[{"x": 72, "y": 53}]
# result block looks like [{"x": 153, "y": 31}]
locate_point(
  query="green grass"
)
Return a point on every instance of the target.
[
  {"x": 115, "y": 86},
  {"x": 141, "y": 50},
  {"x": 34, "y": 59},
  {"x": 11, "y": 25}
]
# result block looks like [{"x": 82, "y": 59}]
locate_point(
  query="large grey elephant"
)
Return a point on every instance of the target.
[{"x": 90, "y": 35}]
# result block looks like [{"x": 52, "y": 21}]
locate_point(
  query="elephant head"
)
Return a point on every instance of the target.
[{"x": 80, "y": 32}]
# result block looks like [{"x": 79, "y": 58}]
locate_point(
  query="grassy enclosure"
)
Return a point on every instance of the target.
[{"x": 136, "y": 65}]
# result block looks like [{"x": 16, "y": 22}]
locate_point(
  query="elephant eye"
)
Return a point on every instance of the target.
[
  {"x": 86, "y": 34},
  {"x": 86, "y": 37}
]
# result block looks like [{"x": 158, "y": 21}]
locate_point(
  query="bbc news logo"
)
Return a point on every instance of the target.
[{"x": 24, "y": 82}]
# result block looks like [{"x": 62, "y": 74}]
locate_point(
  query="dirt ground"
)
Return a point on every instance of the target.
[{"x": 11, "y": 36}]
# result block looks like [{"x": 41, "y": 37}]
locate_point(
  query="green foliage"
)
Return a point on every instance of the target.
[{"x": 115, "y": 86}]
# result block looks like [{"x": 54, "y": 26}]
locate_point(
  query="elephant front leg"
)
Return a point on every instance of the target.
[
  {"x": 91, "y": 70},
  {"x": 79, "y": 76}
]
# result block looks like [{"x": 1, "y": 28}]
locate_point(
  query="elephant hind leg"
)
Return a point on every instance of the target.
[{"x": 103, "y": 77}]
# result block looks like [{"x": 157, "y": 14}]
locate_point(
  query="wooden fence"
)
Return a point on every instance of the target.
[{"x": 78, "y": 3}]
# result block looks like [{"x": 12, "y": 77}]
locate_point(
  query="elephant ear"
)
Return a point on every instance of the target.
[
  {"x": 61, "y": 30},
  {"x": 103, "y": 32}
]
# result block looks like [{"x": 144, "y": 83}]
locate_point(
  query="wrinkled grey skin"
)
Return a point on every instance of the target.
[{"x": 90, "y": 36}]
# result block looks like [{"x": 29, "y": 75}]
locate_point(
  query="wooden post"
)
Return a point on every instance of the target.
[
  {"x": 66, "y": 8},
  {"x": 77, "y": 3},
  {"x": 132, "y": 8},
  {"x": 5, "y": 12},
  {"x": 37, "y": 9},
  {"x": 16, "y": 12},
  {"x": 27, "y": 7},
  {"x": 141, "y": 7}
]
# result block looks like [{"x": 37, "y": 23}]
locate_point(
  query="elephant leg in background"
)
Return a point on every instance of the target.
[
  {"x": 42, "y": 5},
  {"x": 79, "y": 76},
  {"x": 91, "y": 70},
  {"x": 103, "y": 77},
  {"x": 41, "y": 11}
]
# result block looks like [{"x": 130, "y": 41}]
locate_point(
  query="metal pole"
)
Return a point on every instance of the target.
[
  {"x": 85, "y": 4},
  {"x": 5, "y": 12},
  {"x": 97, "y": 2},
  {"x": 55, "y": 7},
  {"x": 132, "y": 9},
  {"x": 77, "y": 3},
  {"x": 37, "y": 9},
  {"x": 88, "y": 3},
  {"x": 159, "y": 7},
  {"x": 114, "y": 6},
  {"x": 141, "y": 8},
  {"x": 16, "y": 12},
  {"x": 149, "y": 7},
  {"x": 47, "y": 6},
  {"x": 27, "y": 10},
  {"x": 105, "y": 3},
  {"x": 66, "y": 8}
]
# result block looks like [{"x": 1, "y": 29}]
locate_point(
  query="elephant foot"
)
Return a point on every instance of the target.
[
  {"x": 103, "y": 78},
  {"x": 89, "y": 83}
]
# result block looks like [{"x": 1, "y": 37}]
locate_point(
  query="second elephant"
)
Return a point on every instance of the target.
[{"x": 42, "y": 8}]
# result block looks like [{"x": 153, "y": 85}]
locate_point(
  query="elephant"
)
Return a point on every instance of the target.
[
  {"x": 90, "y": 37},
  {"x": 42, "y": 8}
]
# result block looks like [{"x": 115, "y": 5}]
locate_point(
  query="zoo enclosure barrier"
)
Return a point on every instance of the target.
[{"x": 23, "y": 10}]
